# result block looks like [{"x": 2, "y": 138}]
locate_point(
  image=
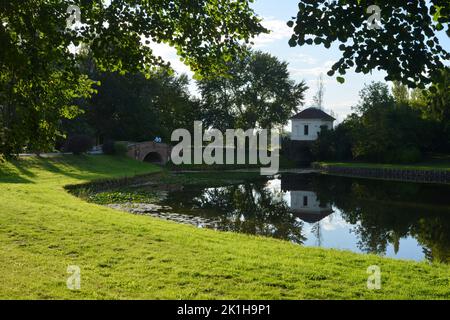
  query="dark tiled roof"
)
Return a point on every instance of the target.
[
  {"x": 312, "y": 217},
  {"x": 313, "y": 113}
]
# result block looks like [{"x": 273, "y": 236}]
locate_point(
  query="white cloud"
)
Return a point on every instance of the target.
[
  {"x": 312, "y": 83},
  {"x": 169, "y": 54},
  {"x": 333, "y": 222},
  {"x": 343, "y": 108},
  {"x": 278, "y": 31},
  {"x": 303, "y": 58},
  {"x": 312, "y": 71}
]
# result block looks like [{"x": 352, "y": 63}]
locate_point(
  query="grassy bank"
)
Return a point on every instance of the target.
[
  {"x": 428, "y": 165},
  {"x": 43, "y": 229},
  {"x": 284, "y": 163}
]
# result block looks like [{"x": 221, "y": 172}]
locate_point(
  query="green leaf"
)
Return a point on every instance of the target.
[{"x": 341, "y": 80}]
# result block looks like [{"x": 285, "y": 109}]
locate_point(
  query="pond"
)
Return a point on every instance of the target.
[{"x": 394, "y": 219}]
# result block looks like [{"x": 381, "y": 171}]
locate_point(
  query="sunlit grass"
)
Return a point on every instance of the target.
[
  {"x": 44, "y": 229},
  {"x": 428, "y": 165}
]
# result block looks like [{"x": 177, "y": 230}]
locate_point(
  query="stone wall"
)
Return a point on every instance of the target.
[{"x": 414, "y": 175}]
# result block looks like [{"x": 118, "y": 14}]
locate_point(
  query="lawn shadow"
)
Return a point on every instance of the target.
[
  {"x": 15, "y": 171},
  {"x": 73, "y": 166},
  {"x": 68, "y": 165}
]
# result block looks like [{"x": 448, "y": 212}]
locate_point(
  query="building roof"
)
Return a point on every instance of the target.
[
  {"x": 312, "y": 216},
  {"x": 313, "y": 113}
]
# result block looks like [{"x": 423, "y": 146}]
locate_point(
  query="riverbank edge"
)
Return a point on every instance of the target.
[
  {"x": 394, "y": 174},
  {"x": 109, "y": 183},
  {"x": 49, "y": 194}
]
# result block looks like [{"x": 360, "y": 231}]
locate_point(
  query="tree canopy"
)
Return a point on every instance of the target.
[
  {"x": 133, "y": 108},
  {"x": 406, "y": 46},
  {"x": 258, "y": 92},
  {"x": 387, "y": 128},
  {"x": 40, "y": 76}
]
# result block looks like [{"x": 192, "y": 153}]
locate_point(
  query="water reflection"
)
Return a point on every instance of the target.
[
  {"x": 248, "y": 208},
  {"x": 403, "y": 220},
  {"x": 306, "y": 205},
  {"x": 385, "y": 213}
]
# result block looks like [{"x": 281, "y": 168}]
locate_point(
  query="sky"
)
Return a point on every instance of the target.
[{"x": 305, "y": 63}]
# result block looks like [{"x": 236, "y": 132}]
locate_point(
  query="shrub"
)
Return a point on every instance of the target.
[
  {"x": 108, "y": 147},
  {"x": 112, "y": 147},
  {"x": 78, "y": 144},
  {"x": 120, "y": 148},
  {"x": 409, "y": 154}
]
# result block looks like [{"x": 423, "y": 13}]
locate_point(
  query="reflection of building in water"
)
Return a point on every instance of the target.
[
  {"x": 306, "y": 206},
  {"x": 304, "y": 202}
]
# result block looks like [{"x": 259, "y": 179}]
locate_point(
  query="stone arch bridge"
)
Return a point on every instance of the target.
[{"x": 150, "y": 152}]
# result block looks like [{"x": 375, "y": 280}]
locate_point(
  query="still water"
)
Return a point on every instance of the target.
[{"x": 394, "y": 219}]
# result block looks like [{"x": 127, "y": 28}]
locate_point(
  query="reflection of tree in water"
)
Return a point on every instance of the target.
[
  {"x": 253, "y": 209},
  {"x": 381, "y": 212},
  {"x": 434, "y": 235},
  {"x": 384, "y": 212},
  {"x": 317, "y": 231}
]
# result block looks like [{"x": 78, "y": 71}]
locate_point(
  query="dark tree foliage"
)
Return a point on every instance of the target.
[
  {"x": 381, "y": 220},
  {"x": 40, "y": 77},
  {"x": 78, "y": 144},
  {"x": 434, "y": 104},
  {"x": 406, "y": 47},
  {"x": 133, "y": 108},
  {"x": 249, "y": 208},
  {"x": 381, "y": 130},
  {"x": 437, "y": 97},
  {"x": 257, "y": 92},
  {"x": 108, "y": 147},
  {"x": 334, "y": 144}
]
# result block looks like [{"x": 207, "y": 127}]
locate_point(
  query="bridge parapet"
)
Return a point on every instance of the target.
[{"x": 150, "y": 152}]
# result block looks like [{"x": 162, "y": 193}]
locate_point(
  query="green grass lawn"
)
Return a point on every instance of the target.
[
  {"x": 284, "y": 163},
  {"x": 44, "y": 229}
]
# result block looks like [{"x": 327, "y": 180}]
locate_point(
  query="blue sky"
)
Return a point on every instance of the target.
[{"x": 305, "y": 63}]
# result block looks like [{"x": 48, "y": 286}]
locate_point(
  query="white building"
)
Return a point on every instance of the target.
[
  {"x": 306, "y": 206},
  {"x": 306, "y": 125}
]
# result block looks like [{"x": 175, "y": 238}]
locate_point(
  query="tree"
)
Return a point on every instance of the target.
[
  {"x": 417, "y": 99},
  {"x": 40, "y": 76},
  {"x": 386, "y": 128},
  {"x": 176, "y": 107},
  {"x": 436, "y": 107},
  {"x": 257, "y": 92},
  {"x": 437, "y": 98},
  {"x": 374, "y": 96},
  {"x": 318, "y": 97},
  {"x": 384, "y": 131},
  {"x": 373, "y": 136},
  {"x": 334, "y": 144},
  {"x": 406, "y": 46},
  {"x": 400, "y": 93},
  {"x": 133, "y": 108},
  {"x": 124, "y": 108},
  {"x": 253, "y": 209}
]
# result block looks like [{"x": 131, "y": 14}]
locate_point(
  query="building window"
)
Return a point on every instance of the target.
[
  {"x": 306, "y": 130},
  {"x": 305, "y": 201}
]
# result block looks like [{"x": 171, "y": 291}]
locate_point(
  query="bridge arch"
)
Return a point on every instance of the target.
[
  {"x": 153, "y": 157},
  {"x": 150, "y": 152}
]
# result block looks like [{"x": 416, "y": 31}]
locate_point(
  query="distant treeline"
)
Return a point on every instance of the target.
[{"x": 397, "y": 126}]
